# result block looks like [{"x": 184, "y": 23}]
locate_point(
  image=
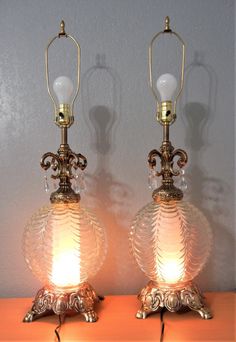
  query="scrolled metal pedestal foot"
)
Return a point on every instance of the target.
[
  {"x": 33, "y": 315},
  {"x": 153, "y": 298},
  {"x": 50, "y": 301}
]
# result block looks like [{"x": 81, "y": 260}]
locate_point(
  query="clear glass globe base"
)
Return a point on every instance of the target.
[
  {"x": 171, "y": 242},
  {"x": 64, "y": 245}
]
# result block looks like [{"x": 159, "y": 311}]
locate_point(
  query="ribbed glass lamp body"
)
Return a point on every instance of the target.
[
  {"x": 170, "y": 241},
  {"x": 64, "y": 245}
]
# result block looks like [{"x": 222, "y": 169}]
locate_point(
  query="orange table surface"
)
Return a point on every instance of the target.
[{"x": 117, "y": 322}]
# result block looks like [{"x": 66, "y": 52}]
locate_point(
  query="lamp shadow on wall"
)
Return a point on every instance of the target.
[
  {"x": 109, "y": 196},
  {"x": 208, "y": 193}
]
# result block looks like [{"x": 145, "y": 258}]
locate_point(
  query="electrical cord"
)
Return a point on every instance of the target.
[
  {"x": 58, "y": 328},
  {"x": 162, "y": 324}
]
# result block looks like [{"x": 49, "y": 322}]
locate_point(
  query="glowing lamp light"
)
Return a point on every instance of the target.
[
  {"x": 65, "y": 269},
  {"x": 170, "y": 238},
  {"x": 171, "y": 271},
  {"x": 64, "y": 244}
]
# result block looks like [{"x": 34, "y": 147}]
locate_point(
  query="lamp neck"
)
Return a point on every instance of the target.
[
  {"x": 64, "y": 131},
  {"x": 166, "y": 131}
]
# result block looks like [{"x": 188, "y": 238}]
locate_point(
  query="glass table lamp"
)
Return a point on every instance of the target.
[
  {"x": 64, "y": 244},
  {"x": 170, "y": 237}
]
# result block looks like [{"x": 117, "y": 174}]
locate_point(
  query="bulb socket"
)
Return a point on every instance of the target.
[
  {"x": 64, "y": 116},
  {"x": 165, "y": 113}
]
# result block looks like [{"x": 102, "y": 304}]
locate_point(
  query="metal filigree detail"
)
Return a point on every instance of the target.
[
  {"x": 167, "y": 154},
  {"x": 48, "y": 301},
  {"x": 154, "y": 297},
  {"x": 63, "y": 164}
]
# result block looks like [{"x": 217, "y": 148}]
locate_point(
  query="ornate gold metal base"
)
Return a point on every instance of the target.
[
  {"x": 49, "y": 301},
  {"x": 154, "y": 297}
]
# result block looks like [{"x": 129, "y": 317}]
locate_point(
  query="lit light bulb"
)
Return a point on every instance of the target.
[
  {"x": 172, "y": 271},
  {"x": 166, "y": 86},
  {"x": 63, "y": 88},
  {"x": 66, "y": 269},
  {"x": 66, "y": 255}
]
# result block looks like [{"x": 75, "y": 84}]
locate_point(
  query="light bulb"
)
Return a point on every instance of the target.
[
  {"x": 166, "y": 86},
  {"x": 63, "y": 88}
]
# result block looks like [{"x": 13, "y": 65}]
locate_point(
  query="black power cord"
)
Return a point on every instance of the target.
[
  {"x": 58, "y": 327},
  {"x": 162, "y": 324}
]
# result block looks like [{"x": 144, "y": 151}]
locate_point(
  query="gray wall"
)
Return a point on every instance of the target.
[{"x": 115, "y": 123}]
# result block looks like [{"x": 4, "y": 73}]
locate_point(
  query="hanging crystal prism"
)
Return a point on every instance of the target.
[
  {"x": 46, "y": 185},
  {"x": 82, "y": 183},
  {"x": 152, "y": 179},
  {"x": 76, "y": 184},
  {"x": 54, "y": 184},
  {"x": 183, "y": 184},
  {"x": 79, "y": 183}
]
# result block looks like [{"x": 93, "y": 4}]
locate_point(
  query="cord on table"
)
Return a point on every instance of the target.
[
  {"x": 58, "y": 328},
  {"x": 162, "y": 324}
]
